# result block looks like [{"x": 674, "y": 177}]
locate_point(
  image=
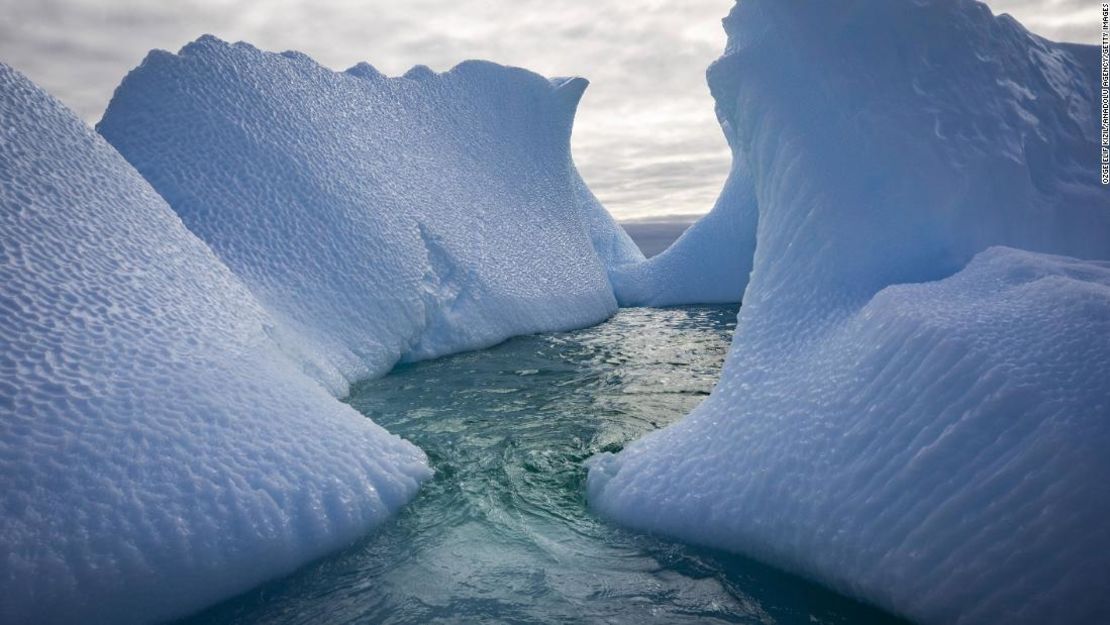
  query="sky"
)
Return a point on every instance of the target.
[{"x": 646, "y": 138}]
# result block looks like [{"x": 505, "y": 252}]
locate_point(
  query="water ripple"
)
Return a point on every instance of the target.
[{"x": 502, "y": 533}]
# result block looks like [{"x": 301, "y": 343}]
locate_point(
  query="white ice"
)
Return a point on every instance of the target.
[
  {"x": 379, "y": 219},
  {"x": 915, "y": 411},
  {"x": 158, "y": 451},
  {"x": 909, "y": 413}
]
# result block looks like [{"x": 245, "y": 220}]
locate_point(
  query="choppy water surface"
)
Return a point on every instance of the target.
[{"x": 502, "y": 533}]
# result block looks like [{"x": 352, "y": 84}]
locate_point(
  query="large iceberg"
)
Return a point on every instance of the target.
[
  {"x": 916, "y": 406},
  {"x": 158, "y": 451},
  {"x": 379, "y": 219}
]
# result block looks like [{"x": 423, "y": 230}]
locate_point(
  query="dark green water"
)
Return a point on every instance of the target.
[{"x": 502, "y": 533}]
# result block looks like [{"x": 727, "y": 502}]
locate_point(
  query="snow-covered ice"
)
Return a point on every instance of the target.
[
  {"x": 158, "y": 452},
  {"x": 379, "y": 219},
  {"x": 909, "y": 413}
]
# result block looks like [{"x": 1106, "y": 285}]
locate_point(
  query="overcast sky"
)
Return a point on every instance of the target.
[{"x": 646, "y": 138}]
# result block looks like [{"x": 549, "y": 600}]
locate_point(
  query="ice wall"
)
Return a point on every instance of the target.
[
  {"x": 1024, "y": 145},
  {"x": 157, "y": 450},
  {"x": 907, "y": 425},
  {"x": 380, "y": 219}
]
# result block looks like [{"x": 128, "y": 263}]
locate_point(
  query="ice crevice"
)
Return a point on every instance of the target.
[{"x": 442, "y": 292}]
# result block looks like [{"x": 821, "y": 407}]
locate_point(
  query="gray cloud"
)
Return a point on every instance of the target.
[
  {"x": 646, "y": 138},
  {"x": 1062, "y": 20}
]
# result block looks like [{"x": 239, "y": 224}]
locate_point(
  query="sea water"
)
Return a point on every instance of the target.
[{"x": 503, "y": 534}]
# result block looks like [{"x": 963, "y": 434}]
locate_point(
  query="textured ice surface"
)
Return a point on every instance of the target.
[
  {"x": 157, "y": 450},
  {"x": 379, "y": 218},
  {"x": 909, "y": 425},
  {"x": 960, "y": 112},
  {"x": 942, "y": 452}
]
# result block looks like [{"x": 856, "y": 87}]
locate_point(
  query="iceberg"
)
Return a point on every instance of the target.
[
  {"x": 378, "y": 219},
  {"x": 916, "y": 406},
  {"x": 158, "y": 451}
]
